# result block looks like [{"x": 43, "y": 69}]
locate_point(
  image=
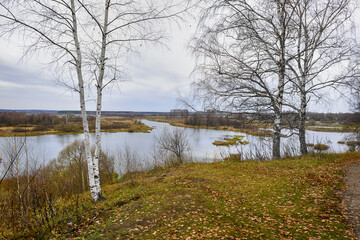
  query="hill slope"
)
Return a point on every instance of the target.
[{"x": 290, "y": 198}]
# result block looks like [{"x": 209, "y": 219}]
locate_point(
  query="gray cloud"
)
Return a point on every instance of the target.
[{"x": 156, "y": 78}]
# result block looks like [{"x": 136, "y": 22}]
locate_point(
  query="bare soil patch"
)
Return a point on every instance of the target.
[{"x": 352, "y": 197}]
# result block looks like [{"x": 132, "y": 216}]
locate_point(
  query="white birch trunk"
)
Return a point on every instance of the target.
[
  {"x": 302, "y": 118},
  {"x": 99, "y": 89},
  {"x": 279, "y": 95},
  {"x": 93, "y": 189},
  {"x": 277, "y": 136},
  {"x": 302, "y": 63}
]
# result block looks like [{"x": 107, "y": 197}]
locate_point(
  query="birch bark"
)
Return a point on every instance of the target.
[
  {"x": 94, "y": 191},
  {"x": 278, "y": 105},
  {"x": 99, "y": 90}
]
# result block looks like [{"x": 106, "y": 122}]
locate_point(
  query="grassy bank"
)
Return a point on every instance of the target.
[
  {"x": 342, "y": 129},
  {"x": 285, "y": 199},
  {"x": 255, "y": 128},
  {"x": 109, "y": 124}
]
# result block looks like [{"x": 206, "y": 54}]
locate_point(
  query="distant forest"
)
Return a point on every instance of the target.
[{"x": 14, "y": 118}]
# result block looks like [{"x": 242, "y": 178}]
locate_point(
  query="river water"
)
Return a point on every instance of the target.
[{"x": 47, "y": 147}]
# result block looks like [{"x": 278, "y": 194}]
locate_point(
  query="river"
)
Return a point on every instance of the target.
[{"x": 47, "y": 147}]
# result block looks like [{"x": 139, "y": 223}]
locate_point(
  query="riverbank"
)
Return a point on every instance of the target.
[
  {"x": 289, "y": 198},
  {"x": 109, "y": 124},
  {"x": 254, "y": 128},
  {"x": 333, "y": 128}
]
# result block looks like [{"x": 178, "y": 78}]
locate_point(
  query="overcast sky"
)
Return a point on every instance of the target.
[{"x": 156, "y": 78}]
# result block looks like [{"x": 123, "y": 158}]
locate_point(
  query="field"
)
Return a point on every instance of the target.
[
  {"x": 253, "y": 127},
  {"x": 58, "y": 125},
  {"x": 294, "y": 198}
]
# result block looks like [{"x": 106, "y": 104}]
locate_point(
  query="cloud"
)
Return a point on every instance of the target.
[
  {"x": 157, "y": 76},
  {"x": 23, "y": 89}
]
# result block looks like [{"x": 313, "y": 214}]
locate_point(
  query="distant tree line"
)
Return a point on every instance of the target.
[
  {"x": 17, "y": 118},
  {"x": 179, "y": 113},
  {"x": 243, "y": 120},
  {"x": 343, "y": 118},
  {"x": 23, "y": 122}
]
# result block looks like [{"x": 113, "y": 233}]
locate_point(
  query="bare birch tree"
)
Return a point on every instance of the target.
[
  {"x": 88, "y": 42},
  {"x": 241, "y": 48},
  {"x": 324, "y": 51}
]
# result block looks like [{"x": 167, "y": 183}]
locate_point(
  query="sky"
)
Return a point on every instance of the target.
[{"x": 157, "y": 76}]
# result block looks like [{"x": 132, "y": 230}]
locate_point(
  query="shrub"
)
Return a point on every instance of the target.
[
  {"x": 116, "y": 125},
  {"x": 353, "y": 146},
  {"x": 233, "y": 157},
  {"x": 24, "y": 125},
  {"x": 19, "y": 130},
  {"x": 39, "y": 128},
  {"x": 70, "y": 127},
  {"x": 174, "y": 141},
  {"x": 351, "y": 143},
  {"x": 321, "y": 147}
]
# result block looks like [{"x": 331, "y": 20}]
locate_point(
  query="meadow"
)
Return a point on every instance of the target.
[{"x": 297, "y": 197}]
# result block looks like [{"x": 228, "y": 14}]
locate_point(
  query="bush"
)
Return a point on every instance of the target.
[
  {"x": 321, "y": 147},
  {"x": 39, "y": 128},
  {"x": 19, "y": 130},
  {"x": 353, "y": 146},
  {"x": 233, "y": 157},
  {"x": 70, "y": 127},
  {"x": 116, "y": 125},
  {"x": 351, "y": 143},
  {"x": 174, "y": 141},
  {"x": 24, "y": 125}
]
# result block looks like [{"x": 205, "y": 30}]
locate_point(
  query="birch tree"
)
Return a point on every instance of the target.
[
  {"x": 324, "y": 52},
  {"x": 242, "y": 51},
  {"x": 88, "y": 42}
]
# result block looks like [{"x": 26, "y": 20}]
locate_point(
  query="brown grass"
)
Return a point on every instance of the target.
[
  {"x": 109, "y": 124},
  {"x": 293, "y": 198},
  {"x": 254, "y": 129}
]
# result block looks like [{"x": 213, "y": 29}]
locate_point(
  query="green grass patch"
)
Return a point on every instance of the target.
[
  {"x": 293, "y": 198},
  {"x": 236, "y": 140}
]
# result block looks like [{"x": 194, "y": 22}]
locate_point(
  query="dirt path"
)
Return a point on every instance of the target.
[{"x": 352, "y": 197}]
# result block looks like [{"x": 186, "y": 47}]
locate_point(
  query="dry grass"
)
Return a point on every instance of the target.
[
  {"x": 293, "y": 198},
  {"x": 109, "y": 124},
  {"x": 330, "y": 129},
  {"x": 256, "y": 129}
]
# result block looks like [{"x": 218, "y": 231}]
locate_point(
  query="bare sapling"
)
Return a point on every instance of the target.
[{"x": 174, "y": 141}]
